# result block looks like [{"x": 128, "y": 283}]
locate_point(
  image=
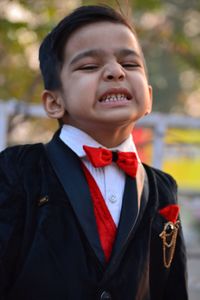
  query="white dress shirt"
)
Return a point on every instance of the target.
[{"x": 110, "y": 179}]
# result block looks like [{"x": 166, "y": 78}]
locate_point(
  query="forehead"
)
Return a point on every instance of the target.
[{"x": 106, "y": 36}]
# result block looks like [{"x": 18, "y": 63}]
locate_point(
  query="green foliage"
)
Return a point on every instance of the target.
[{"x": 146, "y": 5}]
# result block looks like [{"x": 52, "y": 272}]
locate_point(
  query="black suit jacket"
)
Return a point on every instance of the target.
[{"x": 49, "y": 245}]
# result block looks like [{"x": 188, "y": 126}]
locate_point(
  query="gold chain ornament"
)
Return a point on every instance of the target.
[{"x": 169, "y": 236}]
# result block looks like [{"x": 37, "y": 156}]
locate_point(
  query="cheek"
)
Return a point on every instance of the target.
[
  {"x": 141, "y": 87},
  {"x": 83, "y": 82},
  {"x": 80, "y": 91}
]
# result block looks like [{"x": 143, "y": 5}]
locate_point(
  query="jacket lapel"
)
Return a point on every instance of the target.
[
  {"x": 67, "y": 167},
  {"x": 131, "y": 215}
]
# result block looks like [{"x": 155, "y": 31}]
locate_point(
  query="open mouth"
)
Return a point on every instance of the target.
[
  {"x": 115, "y": 98},
  {"x": 119, "y": 97}
]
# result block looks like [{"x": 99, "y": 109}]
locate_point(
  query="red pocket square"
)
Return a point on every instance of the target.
[{"x": 170, "y": 212}]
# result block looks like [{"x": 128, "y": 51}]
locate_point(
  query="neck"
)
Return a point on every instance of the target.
[{"x": 110, "y": 137}]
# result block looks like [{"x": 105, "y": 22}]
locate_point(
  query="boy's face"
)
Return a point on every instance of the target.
[{"x": 103, "y": 78}]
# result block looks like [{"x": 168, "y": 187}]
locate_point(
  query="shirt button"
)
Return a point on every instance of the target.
[
  {"x": 113, "y": 198},
  {"x": 105, "y": 296}
]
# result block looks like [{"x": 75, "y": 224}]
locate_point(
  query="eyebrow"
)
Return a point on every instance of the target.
[
  {"x": 98, "y": 52},
  {"x": 127, "y": 52}
]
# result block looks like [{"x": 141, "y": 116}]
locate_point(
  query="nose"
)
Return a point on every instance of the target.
[{"x": 113, "y": 71}]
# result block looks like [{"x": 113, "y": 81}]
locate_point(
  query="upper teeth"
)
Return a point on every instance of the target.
[{"x": 114, "y": 97}]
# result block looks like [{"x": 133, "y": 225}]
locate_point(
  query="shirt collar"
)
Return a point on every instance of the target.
[{"x": 75, "y": 138}]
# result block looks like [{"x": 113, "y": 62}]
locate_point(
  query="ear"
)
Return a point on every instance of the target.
[
  {"x": 150, "y": 101},
  {"x": 53, "y": 104}
]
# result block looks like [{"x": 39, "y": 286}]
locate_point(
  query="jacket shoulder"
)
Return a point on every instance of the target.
[
  {"x": 20, "y": 151},
  {"x": 165, "y": 185},
  {"x": 14, "y": 160},
  {"x": 18, "y": 155}
]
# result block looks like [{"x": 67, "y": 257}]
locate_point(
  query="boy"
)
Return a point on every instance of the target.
[{"x": 81, "y": 219}]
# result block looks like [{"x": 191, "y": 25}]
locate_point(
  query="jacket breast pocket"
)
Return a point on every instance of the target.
[{"x": 164, "y": 240}]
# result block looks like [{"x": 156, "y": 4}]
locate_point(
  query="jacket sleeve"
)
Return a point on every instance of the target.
[
  {"x": 11, "y": 219},
  {"x": 167, "y": 283},
  {"x": 176, "y": 283}
]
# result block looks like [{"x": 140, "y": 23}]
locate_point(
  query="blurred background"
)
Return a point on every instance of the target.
[{"x": 169, "y": 138}]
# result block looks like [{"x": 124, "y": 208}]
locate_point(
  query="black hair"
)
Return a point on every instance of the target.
[{"x": 52, "y": 47}]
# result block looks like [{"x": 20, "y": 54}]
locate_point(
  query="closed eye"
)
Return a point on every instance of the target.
[
  {"x": 88, "y": 67},
  {"x": 130, "y": 65}
]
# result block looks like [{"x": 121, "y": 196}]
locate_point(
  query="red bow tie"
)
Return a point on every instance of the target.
[{"x": 101, "y": 157}]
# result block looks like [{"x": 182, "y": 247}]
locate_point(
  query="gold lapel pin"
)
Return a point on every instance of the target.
[
  {"x": 169, "y": 237},
  {"x": 43, "y": 200}
]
